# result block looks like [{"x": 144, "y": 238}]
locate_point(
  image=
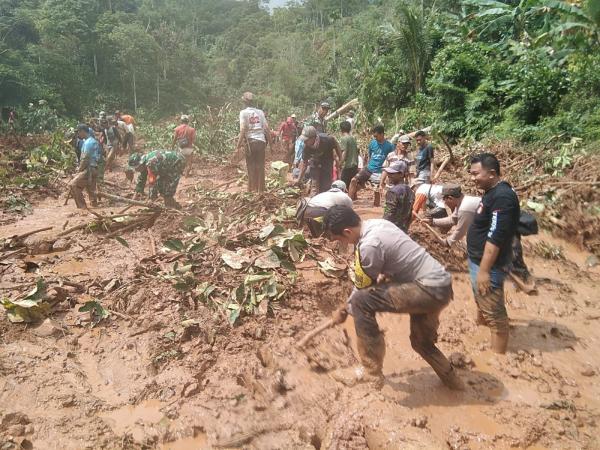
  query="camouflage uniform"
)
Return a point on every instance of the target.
[
  {"x": 315, "y": 121},
  {"x": 162, "y": 170}
]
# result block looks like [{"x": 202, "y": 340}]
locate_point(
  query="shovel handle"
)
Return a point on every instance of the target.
[{"x": 311, "y": 334}]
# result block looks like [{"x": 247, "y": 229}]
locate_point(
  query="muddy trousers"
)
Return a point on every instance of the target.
[
  {"x": 84, "y": 180},
  {"x": 424, "y": 306},
  {"x": 255, "y": 163},
  {"x": 491, "y": 307}
]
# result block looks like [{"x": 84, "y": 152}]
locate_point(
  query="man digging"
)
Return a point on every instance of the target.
[{"x": 392, "y": 274}]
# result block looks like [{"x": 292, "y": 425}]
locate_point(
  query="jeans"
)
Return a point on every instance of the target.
[{"x": 491, "y": 305}]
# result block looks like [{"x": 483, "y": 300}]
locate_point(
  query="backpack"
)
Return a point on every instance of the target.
[{"x": 183, "y": 142}]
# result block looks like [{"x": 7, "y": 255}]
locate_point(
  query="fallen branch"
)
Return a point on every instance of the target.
[
  {"x": 18, "y": 237},
  {"x": 430, "y": 228},
  {"x": 442, "y": 167},
  {"x": 131, "y": 201},
  {"x": 132, "y": 225},
  {"x": 9, "y": 254},
  {"x": 342, "y": 109},
  {"x": 447, "y": 144},
  {"x": 72, "y": 229}
]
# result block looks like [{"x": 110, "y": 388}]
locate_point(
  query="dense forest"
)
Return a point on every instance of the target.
[{"x": 523, "y": 69}]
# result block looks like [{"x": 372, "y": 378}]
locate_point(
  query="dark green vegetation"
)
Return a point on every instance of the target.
[{"x": 526, "y": 69}]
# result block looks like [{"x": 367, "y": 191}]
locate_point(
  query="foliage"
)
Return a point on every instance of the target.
[{"x": 30, "y": 308}]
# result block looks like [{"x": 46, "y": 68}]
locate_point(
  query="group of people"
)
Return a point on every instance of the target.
[
  {"x": 97, "y": 145},
  {"x": 392, "y": 272}
]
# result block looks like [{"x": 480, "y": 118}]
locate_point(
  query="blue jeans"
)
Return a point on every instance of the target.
[
  {"x": 497, "y": 276},
  {"x": 491, "y": 305}
]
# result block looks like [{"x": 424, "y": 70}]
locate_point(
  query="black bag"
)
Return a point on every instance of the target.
[{"x": 527, "y": 224}]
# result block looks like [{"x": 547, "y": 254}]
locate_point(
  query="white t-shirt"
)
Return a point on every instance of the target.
[
  {"x": 254, "y": 121},
  {"x": 435, "y": 194},
  {"x": 333, "y": 197}
]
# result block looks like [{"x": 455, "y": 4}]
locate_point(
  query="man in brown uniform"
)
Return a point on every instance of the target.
[{"x": 392, "y": 274}]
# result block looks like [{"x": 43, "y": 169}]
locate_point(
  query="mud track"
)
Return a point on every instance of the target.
[{"x": 140, "y": 379}]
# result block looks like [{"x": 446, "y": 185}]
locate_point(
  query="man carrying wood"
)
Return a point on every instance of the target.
[
  {"x": 392, "y": 274},
  {"x": 87, "y": 171},
  {"x": 161, "y": 170},
  {"x": 254, "y": 137},
  {"x": 317, "y": 119},
  {"x": 489, "y": 242}
]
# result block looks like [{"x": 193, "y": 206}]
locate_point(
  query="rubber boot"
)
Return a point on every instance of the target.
[
  {"x": 370, "y": 371},
  {"x": 499, "y": 341}
]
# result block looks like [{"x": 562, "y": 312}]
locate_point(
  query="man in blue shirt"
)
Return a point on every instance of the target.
[
  {"x": 87, "y": 171},
  {"x": 379, "y": 149}
]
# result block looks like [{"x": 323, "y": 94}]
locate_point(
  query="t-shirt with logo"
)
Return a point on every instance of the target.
[
  {"x": 378, "y": 152},
  {"x": 496, "y": 221},
  {"x": 253, "y": 119}
]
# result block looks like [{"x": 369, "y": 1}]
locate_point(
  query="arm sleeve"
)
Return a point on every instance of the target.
[
  {"x": 371, "y": 260},
  {"x": 141, "y": 182},
  {"x": 420, "y": 200},
  {"x": 465, "y": 219},
  {"x": 503, "y": 212},
  {"x": 445, "y": 222}
]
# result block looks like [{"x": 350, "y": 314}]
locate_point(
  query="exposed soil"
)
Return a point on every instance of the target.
[{"x": 141, "y": 379}]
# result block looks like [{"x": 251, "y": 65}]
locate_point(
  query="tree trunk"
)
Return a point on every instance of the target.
[
  {"x": 157, "y": 89},
  {"x": 95, "y": 65},
  {"x": 134, "y": 94}
]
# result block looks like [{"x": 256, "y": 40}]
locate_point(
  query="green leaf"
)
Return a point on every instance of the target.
[
  {"x": 97, "y": 310},
  {"x": 174, "y": 244},
  {"x": 235, "y": 260},
  {"x": 196, "y": 247},
  {"x": 270, "y": 230},
  {"x": 233, "y": 313},
  {"x": 268, "y": 260},
  {"x": 122, "y": 241},
  {"x": 253, "y": 279}
]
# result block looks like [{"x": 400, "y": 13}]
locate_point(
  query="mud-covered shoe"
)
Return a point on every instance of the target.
[
  {"x": 453, "y": 381},
  {"x": 352, "y": 376}
]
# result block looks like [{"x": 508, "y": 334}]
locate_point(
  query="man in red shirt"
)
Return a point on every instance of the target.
[
  {"x": 184, "y": 139},
  {"x": 288, "y": 133}
]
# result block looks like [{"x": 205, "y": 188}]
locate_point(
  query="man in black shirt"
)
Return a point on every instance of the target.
[
  {"x": 489, "y": 245},
  {"x": 320, "y": 151}
]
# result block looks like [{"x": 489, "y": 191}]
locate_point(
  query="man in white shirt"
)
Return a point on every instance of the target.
[
  {"x": 463, "y": 207},
  {"x": 311, "y": 211},
  {"x": 428, "y": 197},
  {"x": 254, "y": 137}
]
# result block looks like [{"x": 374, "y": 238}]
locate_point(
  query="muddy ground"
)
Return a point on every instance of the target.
[{"x": 141, "y": 379}]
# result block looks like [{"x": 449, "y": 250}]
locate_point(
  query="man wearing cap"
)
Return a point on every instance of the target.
[
  {"x": 393, "y": 274},
  {"x": 287, "y": 133},
  {"x": 161, "y": 170},
  {"x": 320, "y": 152},
  {"x": 399, "y": 197},
  {"x": 87, "y": 171},
  {"x": 312, "y": 210},
  {"x": 379, "y": 149},
  {"x": 254, "y": 137},
  {"x": 463, "y": 209},
  {"x": 184, "y": 138},
  {"x": 317, "y": 120}
]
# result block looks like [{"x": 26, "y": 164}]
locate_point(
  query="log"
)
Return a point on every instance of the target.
[
  {"x": 311, "y": 334},
  {"x": 18, "y": 237},
  {"x": 442, "y": 167},
  {"x": 131, "y": 226},
  {"x": 72, "y": 229},
  {"x": 342, "y": 109},
  {"x": 447, "y": 144},
  {"x": 131, "y": 201}
]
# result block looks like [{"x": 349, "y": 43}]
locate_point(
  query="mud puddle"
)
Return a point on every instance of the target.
[{"x": 135, "y": 419}]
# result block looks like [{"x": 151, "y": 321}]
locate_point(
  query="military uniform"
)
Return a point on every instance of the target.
[
  {"x": 162, "y": 171},
  {"x": 315, "y": 121}
]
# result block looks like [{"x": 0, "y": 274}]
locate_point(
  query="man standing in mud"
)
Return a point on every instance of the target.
[
  {"x": 392, "y": 274},
  {"x": 162, "y": 171},
  {"x": 489, "y": 246},
  {"x": 254, "y": 137},
  {"x": 320, "y": 152},
  {"x": 87, "y": 171}
]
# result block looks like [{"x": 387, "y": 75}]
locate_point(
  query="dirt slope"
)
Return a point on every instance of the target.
[{"x": 140, "y": 379}]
